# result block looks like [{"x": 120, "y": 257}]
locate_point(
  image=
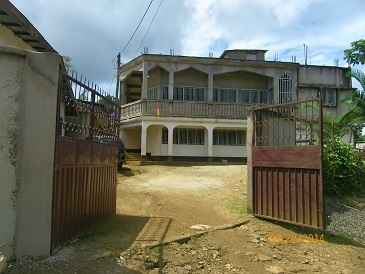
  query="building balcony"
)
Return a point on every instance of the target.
[{"x": 191, "y": 109}]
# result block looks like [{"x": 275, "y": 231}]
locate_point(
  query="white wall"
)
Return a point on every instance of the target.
[
  {"x": 28, "y": 104},
  {"x": 10, "y": 71},
  {"x": 131, "y": 137},
  {"x": 154, "y": 137},
  {"x": 229, "y": 151},
  {"x": 190, "y": 150}
]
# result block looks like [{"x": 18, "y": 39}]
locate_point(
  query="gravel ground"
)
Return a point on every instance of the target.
[{"x": 345, "y": 220}]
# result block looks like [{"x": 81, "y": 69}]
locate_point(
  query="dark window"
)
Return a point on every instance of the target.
[
  {"x": 225, "y": 137},
  {"x": 187, "y": 136},
  {"x": 329, "y": 96},
  {"x": 189, "y": 93},
  {"x": 225, "y": 95}
]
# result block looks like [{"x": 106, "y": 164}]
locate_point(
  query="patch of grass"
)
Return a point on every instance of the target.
[
  {"x": 238, "y": 204},
  {"x": 99, "y": 230}
]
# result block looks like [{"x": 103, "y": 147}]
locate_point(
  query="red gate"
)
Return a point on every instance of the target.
[
  {"x": 84, "y": 191},
  {"x": 287, "y": 163}
]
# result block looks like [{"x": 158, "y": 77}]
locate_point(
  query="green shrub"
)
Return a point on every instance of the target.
[{"x": 343, "y": 169}]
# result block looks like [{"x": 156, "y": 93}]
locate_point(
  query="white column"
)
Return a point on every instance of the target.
[
  {"x": 170, "y": 146},
  {"x": 171, "y": 85},
  {"x": 123, "y": 93},
  {"x": 210, "y": 87},
  {"x": 210, "y": 141},
  {"x": 144, "y": 82},
  {"x": 144, "y": 139},
  {"x": 275, "y": 88}
]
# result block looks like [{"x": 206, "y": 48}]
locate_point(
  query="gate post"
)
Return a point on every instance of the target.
[
  {"x": 249, "y": 141},
  {"x": 36, "y": 154}
]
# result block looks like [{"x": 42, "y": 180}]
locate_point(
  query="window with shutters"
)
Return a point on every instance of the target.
[
  {"x": 189, "y": 93},
  {"x": 329, "y": 96},
  {"x": 223, "y": 137},
  {"x": 225, "y": 95},
  {"x": 184, "y": 136}
]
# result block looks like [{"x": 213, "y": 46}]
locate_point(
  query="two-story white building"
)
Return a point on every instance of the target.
[{"x": 195, "y": 108}]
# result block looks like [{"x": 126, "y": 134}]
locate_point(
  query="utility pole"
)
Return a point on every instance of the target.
[{"x": 118, "y": 68}]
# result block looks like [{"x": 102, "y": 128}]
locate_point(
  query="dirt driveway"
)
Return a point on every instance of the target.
[
  {"x": 183, "y": 196},
  {"x": 161, "y": 203}
]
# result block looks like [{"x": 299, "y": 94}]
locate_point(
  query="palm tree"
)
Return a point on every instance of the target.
[
  {"x": 332, "y": 125},
  {"x": 356, "y": 114}
]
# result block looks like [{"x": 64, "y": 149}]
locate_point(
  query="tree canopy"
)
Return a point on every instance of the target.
[
  {"x": 356, "y": 114},
  {"x": 67, "y": 60},
  {"x": 356, "y": 54},
  {"x": 109, "y": 107}
]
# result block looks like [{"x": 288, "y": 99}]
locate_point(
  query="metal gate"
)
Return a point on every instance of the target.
[
  {"x": 85, "y": 177},
  {"x": 287, "y": 163}
]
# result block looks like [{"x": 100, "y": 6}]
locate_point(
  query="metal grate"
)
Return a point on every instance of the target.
[
  {"x": 287, "y": 163},
  {"x": 285, "y": 89},
  {"x": 288, "y": 124}
]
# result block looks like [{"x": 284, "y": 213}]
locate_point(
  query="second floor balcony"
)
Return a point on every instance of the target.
[{"x": 190, "y": 109}]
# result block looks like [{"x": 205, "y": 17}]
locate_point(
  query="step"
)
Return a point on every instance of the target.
[{"x": 131, "y": 156}]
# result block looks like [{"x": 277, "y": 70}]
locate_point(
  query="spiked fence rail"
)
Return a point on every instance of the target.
[{"x": 84, "y": 191}]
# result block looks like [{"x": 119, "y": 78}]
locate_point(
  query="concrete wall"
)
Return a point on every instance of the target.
[
  {"x": 191, "y": 77},
  {"x": 324, "y": 76},
  {"x": 10, "y": 86},
  {"x": 241, "y": 80},
  {"x": 154, "y": 137},
  {"x": 28, "y": 104},
  {"x": 131, "y": 137},
  {"x": 154, "y": 77},
  {"x": 229, "y": 151},
  {"x": 190, "y": 150},
  {"x": 245, "y": 54}
]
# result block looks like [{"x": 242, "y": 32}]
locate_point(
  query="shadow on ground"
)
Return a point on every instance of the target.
[{"x": 120, "y": 233}]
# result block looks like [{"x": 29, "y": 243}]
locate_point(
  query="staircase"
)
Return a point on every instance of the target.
[{"x": 133, "y": 157}]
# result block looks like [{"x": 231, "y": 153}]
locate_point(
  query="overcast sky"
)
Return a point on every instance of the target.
[{"x": 92, "y": 32}]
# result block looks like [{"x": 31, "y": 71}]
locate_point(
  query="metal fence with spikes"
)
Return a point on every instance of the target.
[
  {"x": 85, "y": 168},
  {"x": 86, "y": 110}
]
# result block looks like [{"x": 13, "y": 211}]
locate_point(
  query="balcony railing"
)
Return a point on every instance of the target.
[{"x": 168, "y": 108}]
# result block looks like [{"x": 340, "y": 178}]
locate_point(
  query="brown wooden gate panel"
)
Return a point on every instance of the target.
[
  {"x": 85, "y": 178},
  {"x": 287, "y": 163}
]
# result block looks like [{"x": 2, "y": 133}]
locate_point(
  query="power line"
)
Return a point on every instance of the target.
[
  {"x": 148, "y": 28},
  {"x": 137, "y": 26}
]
